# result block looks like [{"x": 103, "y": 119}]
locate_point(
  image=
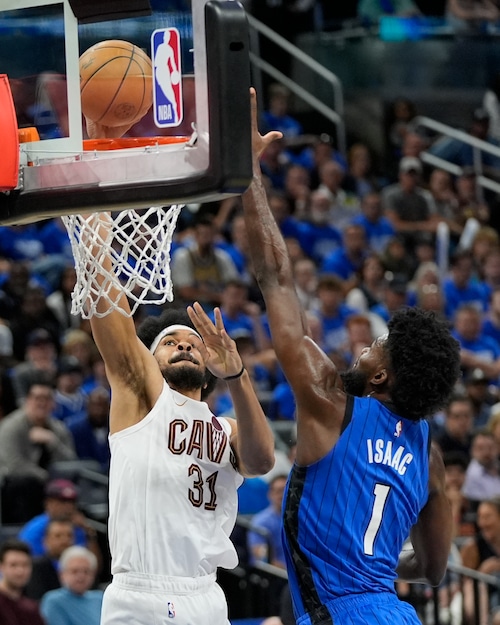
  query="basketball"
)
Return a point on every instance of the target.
[{"x": 115, "y": 83}]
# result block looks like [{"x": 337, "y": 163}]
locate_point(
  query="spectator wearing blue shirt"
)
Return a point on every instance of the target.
[
  {"x": 90, "y": 430},
  {"x": 491, "y": 321},
  {"x": 75, "y": 603},
  {"x": 276, "y": 116},
  {"x": 332, "y": 312},
  {"x": 319, "y": 237},
  {"x": 266, "y": 546},
  {"x": 476, "y": 349},
  {"x": 460, "y": 288},
  {"x": 346, "y": 262},
  {"x": 379, "y": 230},
  {"x": 60, "y": 502},
  {"x": 395, "y": 297},
  {"x": 69, "y": 399}
]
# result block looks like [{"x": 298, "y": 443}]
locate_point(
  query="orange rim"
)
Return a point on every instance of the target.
[
  {"x": 9, "y": 161},
  {"x": 129, "y": 142}
]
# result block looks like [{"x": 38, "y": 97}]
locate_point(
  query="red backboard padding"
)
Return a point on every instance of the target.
[{"x": 9, "y": 140}]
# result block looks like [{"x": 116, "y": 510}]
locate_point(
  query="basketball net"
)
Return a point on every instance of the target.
[{"x": 137, "y": 244}]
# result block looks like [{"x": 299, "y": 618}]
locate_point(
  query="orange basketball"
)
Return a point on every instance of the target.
[{"x": 115, "y": 83}]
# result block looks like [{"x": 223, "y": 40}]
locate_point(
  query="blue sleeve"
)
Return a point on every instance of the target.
[{"x": 52, "y": 609}]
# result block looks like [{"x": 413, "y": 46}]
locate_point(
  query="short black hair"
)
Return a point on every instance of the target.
[
  {"x": 425, "y": 362},
  {"x": 455, "y": 458},
  {"x": 14, "y": 544},
  {"x": 152, "y": 326}
]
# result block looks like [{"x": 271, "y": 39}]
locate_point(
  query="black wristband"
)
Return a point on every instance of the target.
[{"x": 235, "y": 377}]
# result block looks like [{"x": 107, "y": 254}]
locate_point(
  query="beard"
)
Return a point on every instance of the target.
[
  {"x": 355, "y": 382},
  {"x": 185, "y": 378}
]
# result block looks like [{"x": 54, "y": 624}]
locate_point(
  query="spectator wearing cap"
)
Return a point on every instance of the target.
[
  {"x": 30, "y": 441},
  {"x": 41, "y": 357},
  {"x": 482, "y": 394},
  {"x": 455, "y": 433},
  {"x": 70, "y": 400},
  {"x": 61, "y": 502},
  {"x": 409, "y": 207}
]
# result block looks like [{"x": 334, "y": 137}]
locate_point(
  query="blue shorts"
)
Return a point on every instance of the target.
[{"x": 367, "y": 609}]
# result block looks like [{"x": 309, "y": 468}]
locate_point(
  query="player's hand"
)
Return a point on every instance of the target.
[
  {"x": 260, "y": 142},
  {"x": 218, "y": 349},
  {"x": 99, "y": 131}
]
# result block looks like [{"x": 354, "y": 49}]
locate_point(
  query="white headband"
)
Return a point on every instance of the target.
[{"x": 170, "y": 330}]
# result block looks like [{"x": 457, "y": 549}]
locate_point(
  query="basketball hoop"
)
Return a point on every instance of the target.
[{"x": 137, "y": 243}]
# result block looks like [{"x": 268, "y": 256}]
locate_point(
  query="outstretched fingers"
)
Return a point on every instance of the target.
[{"x": 260, "y": 142}]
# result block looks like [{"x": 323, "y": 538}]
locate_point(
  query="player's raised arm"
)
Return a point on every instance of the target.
[
  {"x": 311, "y": 373},
  {"x": 131, "y": 369},
  {"x": 252, "y": 438}
]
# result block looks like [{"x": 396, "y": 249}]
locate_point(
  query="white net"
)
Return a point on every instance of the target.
[{"x": 127, "y": 253}]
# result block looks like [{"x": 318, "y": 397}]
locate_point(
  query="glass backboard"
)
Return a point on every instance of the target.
[{"x": 193, "y": 144}]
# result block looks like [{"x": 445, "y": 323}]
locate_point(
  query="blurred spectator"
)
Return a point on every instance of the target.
[
  {"x": 426, "y": 278},
  {"x": 409, "y": 206},
  {"x": 401, "y": 114},
  {"x": 306, "y": 282},
  {"x": 462, "y": 154},
  {"x": 485, "y": 241},
  {"x": 274, "y": 163},
  {"x": 322, "y": 151},
  {"x": 80, "y": 345},
  {"x": 455, "y": 435},
  {"x": 268, "y": 547},
  {"x": 460, "y": 288},
  {"x": 397, "y": 259},
  {"x": 332, "y": 312},
  {"x": 297, "y": 188},
  {"x": 15, "y": 571},
  {"x": 30, "y": 441},
  {"x": 90, "y": 430},
  {"x": 318, "y": 237},
  {"x": 482, "y": 553},
  {"x": 371, "y": 286},
  {"x": 14, "y": 285},
  {"x": 60, "y": 300},
  {"x": 455, "y": 465},
  {"x": 493, "y": 424},
  {"x": 343, "y": 207},
  {"x": 346, "y": 262},
  {"x": 20, "y": 242},
  {"x": 445, "y": 200},
  {"x": 491, "y": 104},
  {"x": 33, "y": 314},
  {"x": 379, "y": 230},
  {"x": 491, "y": 320},
  {"x": 482, "y": 394},
  {"x": 359, "y": 336},
  {"x": 61, "y": 502},
  {"x": 41, "y": 357},
  {"x": 201, "y": 270},
  {"x": 59, "y": 535},
  {"x": 470, "y": 202},
  {"x": 370, "y": 11},
  {"x": 276, "y": 116},
  {"x": 482, "y": 478},
  {"x": 394, "y": 297},
  {"x": 70, "y": 400},
  {"x": 471, "y": 17},
  {"x": 477, "y": 351},
  {"x": 237, "y": 248},
  {"x": 75, "y": 603},
  {"x": 359, "y": 179}
]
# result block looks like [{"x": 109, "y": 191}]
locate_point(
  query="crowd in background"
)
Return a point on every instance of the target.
[{"x": 364, "y": 239}]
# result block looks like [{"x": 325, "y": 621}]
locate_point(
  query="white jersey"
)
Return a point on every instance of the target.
[{"x": 173, "y": 491}]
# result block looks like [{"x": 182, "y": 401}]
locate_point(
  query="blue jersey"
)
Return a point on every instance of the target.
[{"x": 347, "y": 516}]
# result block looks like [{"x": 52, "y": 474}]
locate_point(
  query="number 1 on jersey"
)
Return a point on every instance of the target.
[{"x": 380, "y": 491}]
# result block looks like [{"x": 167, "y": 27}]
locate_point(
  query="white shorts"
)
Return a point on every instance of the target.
[{"x": 139, "y": 599}]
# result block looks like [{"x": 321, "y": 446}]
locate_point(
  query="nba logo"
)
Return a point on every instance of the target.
[
  {"x": 167, "y": 84},
  {"x": 171, "y": 609}
]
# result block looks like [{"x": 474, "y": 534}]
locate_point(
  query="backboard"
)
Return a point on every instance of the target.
[{"x": 63, "y": 173}]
